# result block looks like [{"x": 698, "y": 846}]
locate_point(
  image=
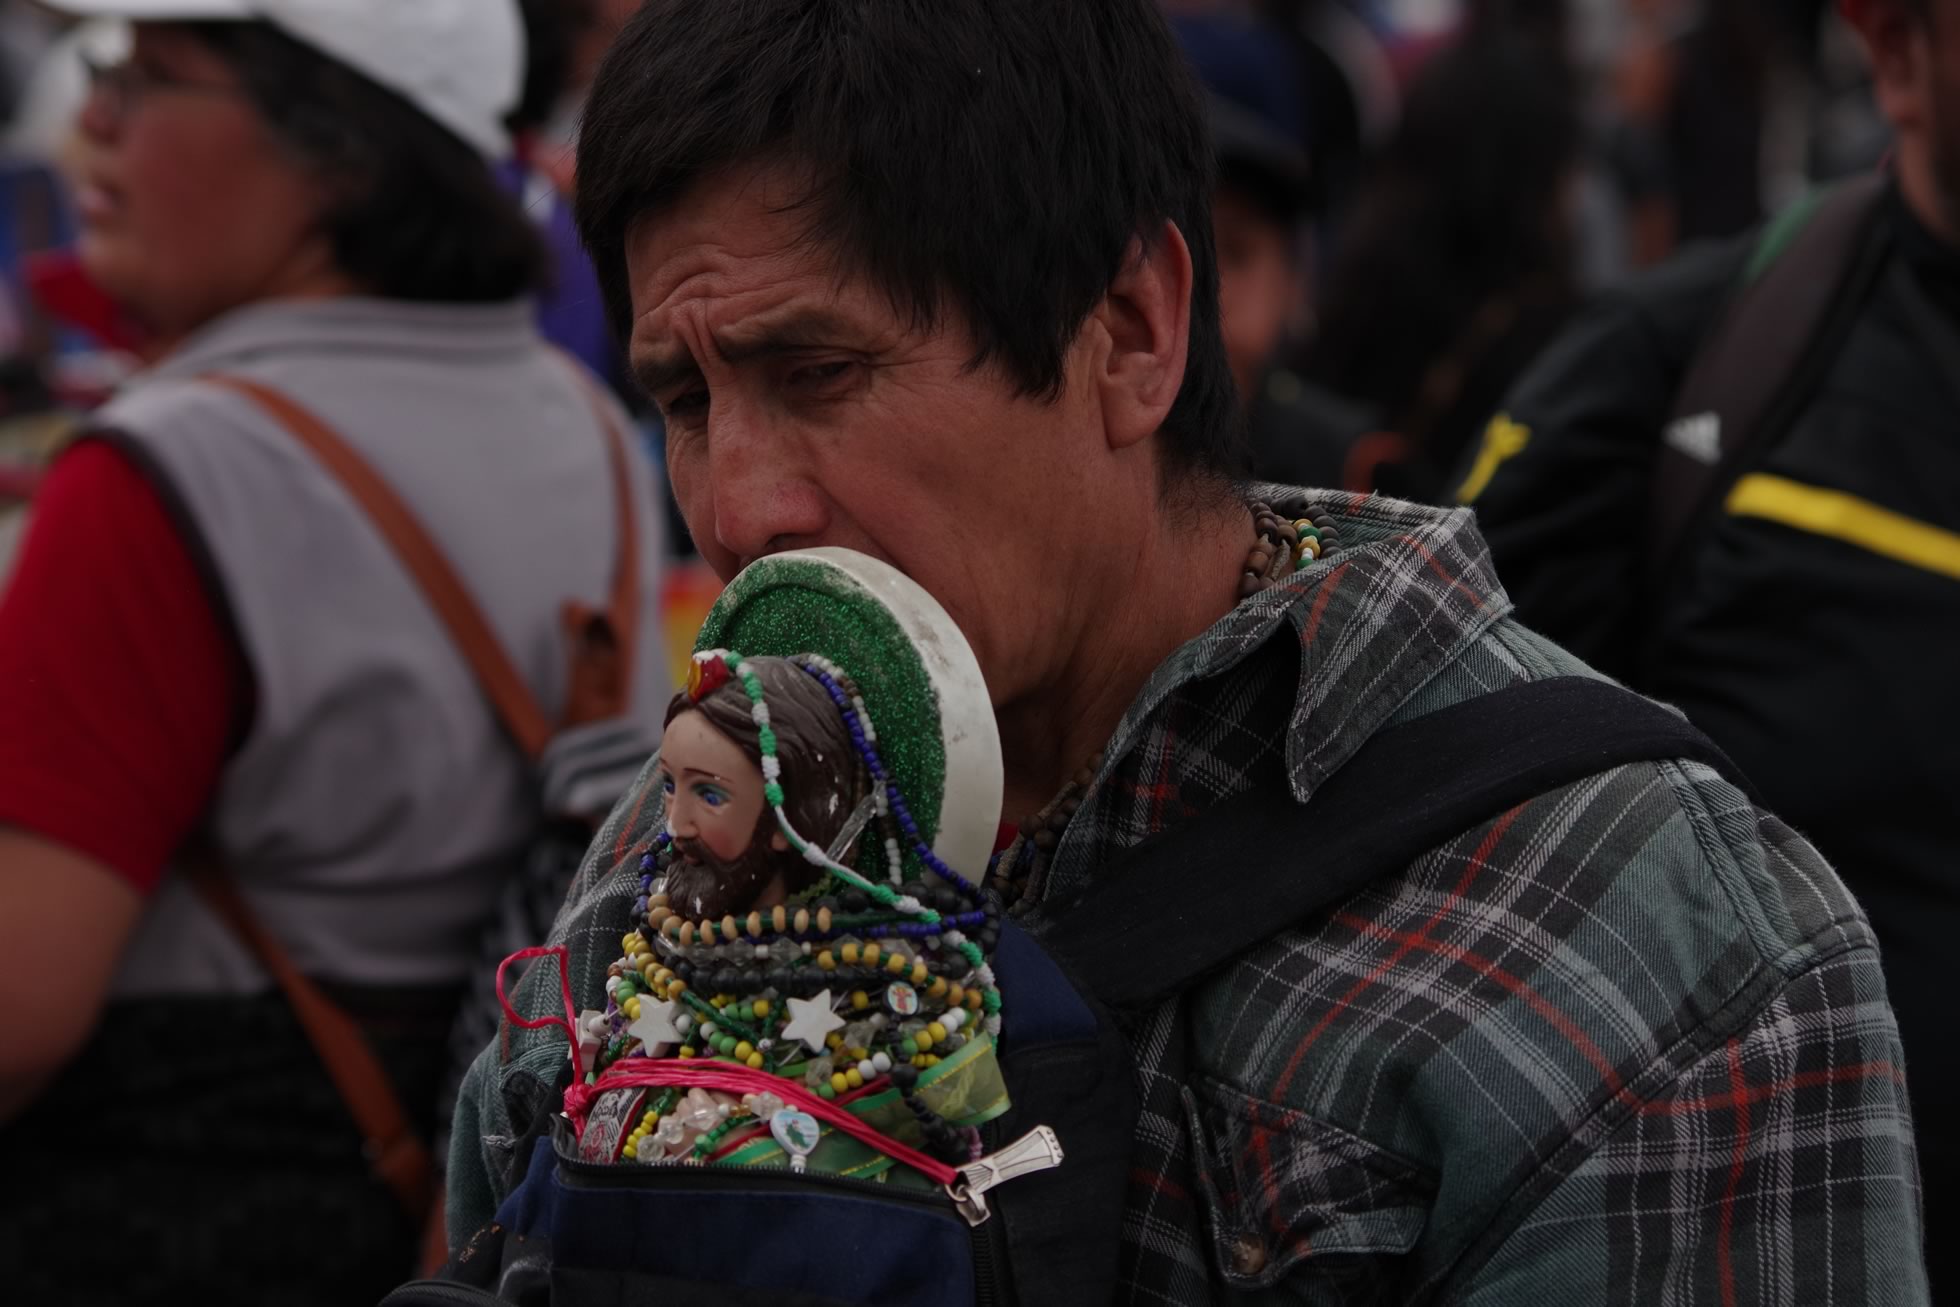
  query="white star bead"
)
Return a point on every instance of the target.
[
  {"x": 656, "y": 1025},
  {"x": 811, "y": 1020}
]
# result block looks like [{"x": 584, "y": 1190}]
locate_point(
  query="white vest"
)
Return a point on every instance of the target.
[{"x": 374, "y": 800}]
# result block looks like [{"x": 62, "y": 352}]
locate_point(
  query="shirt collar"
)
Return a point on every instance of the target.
[{"x": 1407, "y": 591}]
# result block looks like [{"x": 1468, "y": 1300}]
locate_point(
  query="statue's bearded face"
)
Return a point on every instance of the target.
[{"x": 728, "y": 855}]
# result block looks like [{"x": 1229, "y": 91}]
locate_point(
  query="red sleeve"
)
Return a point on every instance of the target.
[{"x": 119, "y": 682}]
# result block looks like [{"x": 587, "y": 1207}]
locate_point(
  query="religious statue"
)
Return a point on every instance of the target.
[{"x": 808, "y": 980}]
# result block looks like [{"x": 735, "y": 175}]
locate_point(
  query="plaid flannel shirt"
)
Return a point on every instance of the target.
[{"x": 1626, "y": 1043}]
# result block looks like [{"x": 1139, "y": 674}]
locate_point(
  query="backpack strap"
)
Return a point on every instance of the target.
[
  {"x": 1172, "y": 909},
  {"x": 1801, "y": 289}
]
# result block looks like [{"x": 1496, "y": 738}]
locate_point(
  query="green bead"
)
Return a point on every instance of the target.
[
  {"x": 991, "y": 1001},
  {"x": 909, "y": 1047},
  {"x": 825, "y": 1091}
]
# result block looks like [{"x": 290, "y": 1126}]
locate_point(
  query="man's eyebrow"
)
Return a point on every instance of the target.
[
  {"x": 696, "y": 771},
  {"x": 763, "y": 336}
]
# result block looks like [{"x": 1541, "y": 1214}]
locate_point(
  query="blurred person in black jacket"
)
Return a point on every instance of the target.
[{"x": 1809, "y": 621}]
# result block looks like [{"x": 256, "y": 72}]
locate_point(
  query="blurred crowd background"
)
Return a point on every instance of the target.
[
  {"x": 1414, "y": 195},
  {"x": 1414, "y": 198}
]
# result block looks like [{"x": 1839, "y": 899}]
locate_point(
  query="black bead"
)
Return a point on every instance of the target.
[
  {"x": 856, "y": 900},
  {"x": 775, "y": 978},
  {"x": 945, "y": 900},
  {"x": 827, "y": 901},
  {"x": 989, "y": 939},
  {"x": 905, "y": 1075}
]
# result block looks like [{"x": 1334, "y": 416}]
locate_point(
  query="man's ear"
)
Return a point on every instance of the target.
[{"x": 1146, "y": 317}]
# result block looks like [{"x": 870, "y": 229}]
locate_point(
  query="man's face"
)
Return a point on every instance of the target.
[
  {"x": 803, "y": 410},
  {"x": 1943, "y": 105},
  {"x": 1259, "y": 288},
  {"x": 1915, "y": 53}
]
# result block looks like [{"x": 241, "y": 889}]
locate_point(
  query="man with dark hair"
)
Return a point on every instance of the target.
[
  {"x": 935, "y": 282},
  {"x": 1803, "y": 613}
]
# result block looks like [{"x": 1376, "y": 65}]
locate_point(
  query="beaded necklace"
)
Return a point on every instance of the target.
[{"x": 1279, "y": 547}]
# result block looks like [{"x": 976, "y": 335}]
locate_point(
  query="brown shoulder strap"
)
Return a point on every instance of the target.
[
  {"x": 512, "y": 699},
  {"x": 625, "y": 608},
  {"x": 397, "y": 1156}
]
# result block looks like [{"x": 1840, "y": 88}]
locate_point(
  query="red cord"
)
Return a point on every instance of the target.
[
  {"x": 568, "y": 1023},
  {"x": 661, "y": 1072}
]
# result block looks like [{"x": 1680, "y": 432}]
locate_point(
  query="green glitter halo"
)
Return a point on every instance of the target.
[{"x": 844, "y": 606}]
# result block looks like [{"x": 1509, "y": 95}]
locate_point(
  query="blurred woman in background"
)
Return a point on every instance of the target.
[{"x": 207, "y": 645}]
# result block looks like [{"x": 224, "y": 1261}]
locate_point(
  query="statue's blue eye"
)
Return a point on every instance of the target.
[
  {"x": 667, "y": 786},
  {"x": 711, "y": 796}
]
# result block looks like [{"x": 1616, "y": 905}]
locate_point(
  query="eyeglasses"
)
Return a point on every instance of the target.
[{"x": 124, "y": 86}]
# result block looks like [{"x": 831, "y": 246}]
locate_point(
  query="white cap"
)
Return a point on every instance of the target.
[{"x": 459, "y": 61}]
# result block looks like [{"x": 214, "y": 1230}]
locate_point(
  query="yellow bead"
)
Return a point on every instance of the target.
[
  {"x": 860, "y": 999},
  {"x": 672, "y": 928},
  {"x": 940, "y": 988},
  {"x": 686, "y": 1051},
  {"x": 803, "y": 921},
  {"x": 919, "y": 973},
  {"x": 923, "y": 1039},
  {"x": 849, "y": 953},
  {"x": 895, "y": 964},
  {"x": 627, "y": 947},
  {"x": 972, "y": 1000},
  {"x": 955, "y": 994},
  {"x": 919, "y": 1061},
  {"x": 854, "y": 1078},
  {"x": 633, "y": 1007},
  {"x": 834, "y": 1040},
  {"x": 871, "y": 955},
  {"x": 839, "y": 1082},
  {"x": 632, "y": 1151},
  {"x": 937, "y": 1031},
  {"x": 686, "y": 933},
  {"x": 823, "y": 921},
  {"x": 755, "y": 925},
  {"x": 661, "y": 900},
  {"x": 761, "y": 1008},
  {"x": 743, "y": 1050},
  {"x": 932, "y": 1059},
  {"x": 728, "y": 927},
  {"x": 779, "y": 919},
  {"x": 827, "y": 961},
  {"x": 676, "y": 988},
  {"x": 755, "y": 1061}
]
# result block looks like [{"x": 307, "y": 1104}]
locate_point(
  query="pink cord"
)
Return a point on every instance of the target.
[
  {"x": 568, "y": 1023},
  {"x": 661, "y": 1072}
]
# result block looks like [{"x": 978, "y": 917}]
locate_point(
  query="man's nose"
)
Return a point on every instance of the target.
[{"x": 762, "y": 492}]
